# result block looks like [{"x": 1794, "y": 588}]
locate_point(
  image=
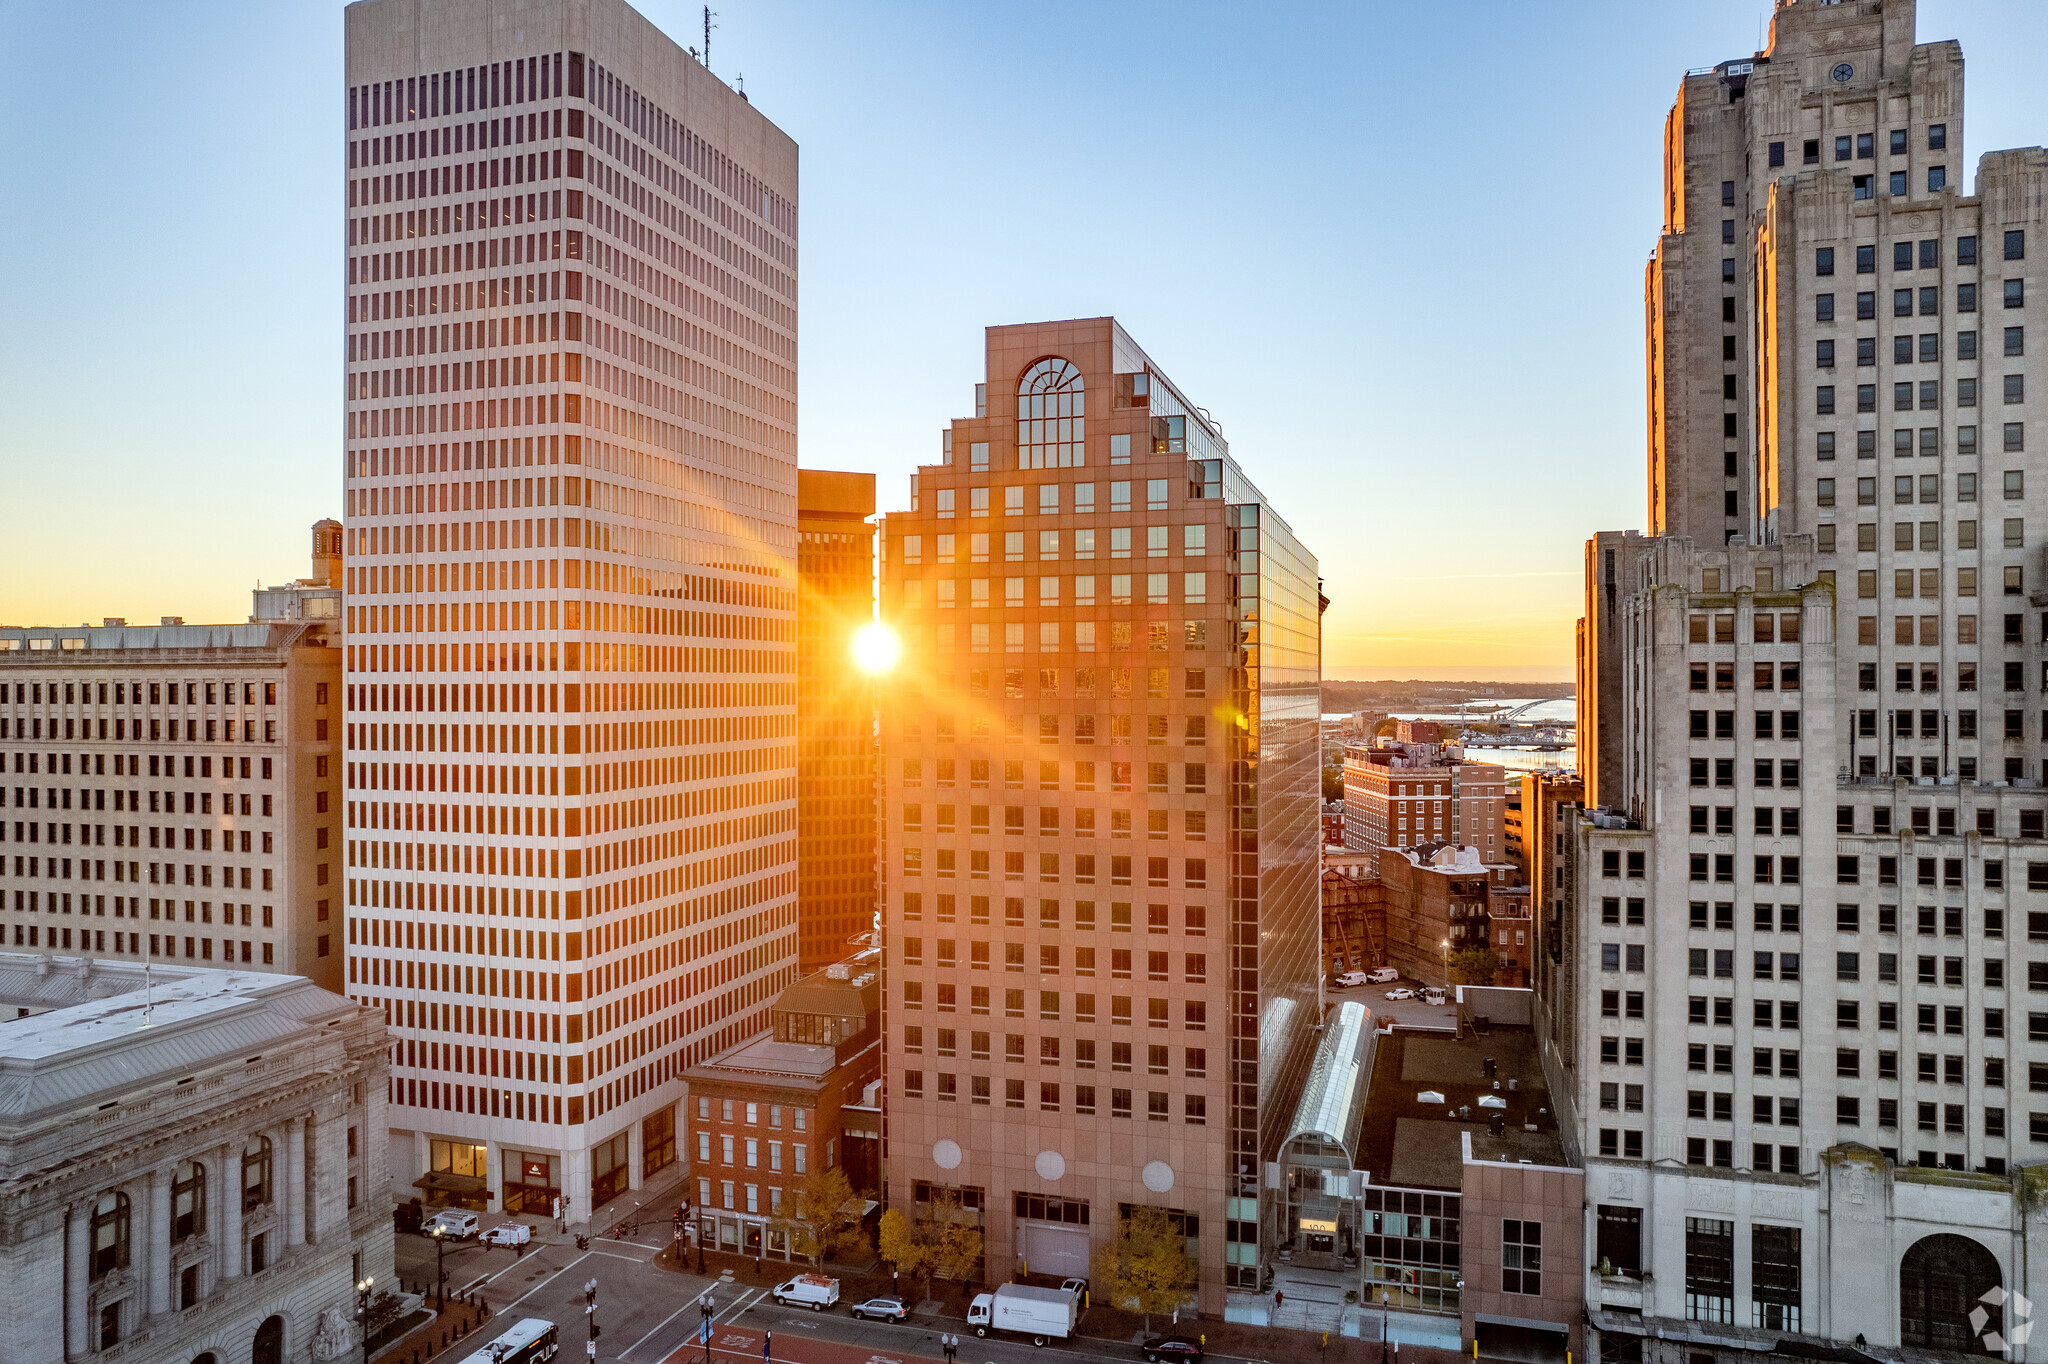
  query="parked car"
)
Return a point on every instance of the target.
[
  {"x": 814, "y": 1291},
  {"x": 1401, "y": 994},
  {"x": 1385, "y": 975},
  {"x": 509, "y": 1234},
  {"x": 1078, "y": 1287},
  {"x": 406, "y": 1216},
  {"x": 881, "y": 1309},
  {"x": 1346, "y": 979},
  {"x": 453, "y": 1223},
  {"x": 1170, "y": 1348}
]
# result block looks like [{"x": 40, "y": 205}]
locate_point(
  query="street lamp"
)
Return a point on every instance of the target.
[
  {"x": 440, "y": 1273},
  {"x": 363, "y": 1313},
  {"x": 704, "y": 1310}
]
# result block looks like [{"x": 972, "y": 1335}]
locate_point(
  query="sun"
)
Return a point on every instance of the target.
[{"x": 876, "y": 648}]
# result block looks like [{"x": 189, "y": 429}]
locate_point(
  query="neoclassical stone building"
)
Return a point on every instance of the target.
[{"x": 192, "y": 1167}]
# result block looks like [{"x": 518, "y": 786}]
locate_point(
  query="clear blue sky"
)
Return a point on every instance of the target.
[{"x": 1397, "y": 253}]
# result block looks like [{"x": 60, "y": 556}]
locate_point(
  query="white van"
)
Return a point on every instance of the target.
[
  {"x": 814, "y": 1291},
  {"x": 453, "y": 1223},
  {"x": 1384, "y": 975}
]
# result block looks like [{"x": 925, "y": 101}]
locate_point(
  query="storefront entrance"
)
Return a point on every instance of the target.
[{"x": 530, "y": 1186}]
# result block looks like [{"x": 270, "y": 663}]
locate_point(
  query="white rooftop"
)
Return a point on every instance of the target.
[{"x": 105, "y": 1035}]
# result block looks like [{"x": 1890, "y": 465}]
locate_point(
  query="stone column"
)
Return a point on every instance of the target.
[
  {"x": 294, "y": 1181},
  {"x": 159, "y": 1256},
  {"x": 230, "y": 1195},
  {"x": 77, "y": 1249}
]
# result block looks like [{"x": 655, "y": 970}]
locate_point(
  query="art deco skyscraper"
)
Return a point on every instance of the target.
[
  {"x": 1102, "y": 803},
  {"x": 1802, "y": 982},
  {"x": 571, "y": 478}
]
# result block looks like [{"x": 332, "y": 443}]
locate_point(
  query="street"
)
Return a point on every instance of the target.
[{"x": 649, "y": 1315}]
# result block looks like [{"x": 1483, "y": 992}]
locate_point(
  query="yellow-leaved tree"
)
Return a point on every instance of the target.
[
  {"x": 1146, "y": 1267},
  {"x": 823, "y": 1217}
]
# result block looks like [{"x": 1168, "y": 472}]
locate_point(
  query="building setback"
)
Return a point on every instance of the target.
[
  {"x": 836, "y": 850},
  {"x": 172, "y": 792},
  {"x": 571, "y": 483},
  {"x": 1800, "y": 975},
  {"x": 1103, "y": 987}
]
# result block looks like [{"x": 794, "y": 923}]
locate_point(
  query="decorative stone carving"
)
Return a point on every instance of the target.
[
  {"x": 1710, "y": 1195},
  {"x": 335, "y": 1336}
]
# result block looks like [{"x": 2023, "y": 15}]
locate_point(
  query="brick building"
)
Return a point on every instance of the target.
[
  {"x": 1439, "y": 899},
  {"x": 768, "y": 1112},
  {"x": 1398, "y": 795}
]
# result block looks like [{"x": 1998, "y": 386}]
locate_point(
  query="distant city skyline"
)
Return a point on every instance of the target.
[{"x": 1328, "y": 244}]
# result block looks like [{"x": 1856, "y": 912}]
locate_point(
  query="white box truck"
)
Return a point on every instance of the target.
[{"x": 1042, "y": 1313}]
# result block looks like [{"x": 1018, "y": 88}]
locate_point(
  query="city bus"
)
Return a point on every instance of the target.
[{"x": 530, "y": 1341}]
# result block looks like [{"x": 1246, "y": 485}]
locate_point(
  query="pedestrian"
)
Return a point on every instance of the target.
[{"x": 1278, "y": 1298}]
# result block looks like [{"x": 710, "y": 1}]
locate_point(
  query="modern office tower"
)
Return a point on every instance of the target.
[
  {"x": 1802, "y": 985},
  {"x": 172, "y": 792},
  {"x": 1102, "y": 790},
  {"x": 836, "y": 847},
  {"x": 571, "y": 460}
]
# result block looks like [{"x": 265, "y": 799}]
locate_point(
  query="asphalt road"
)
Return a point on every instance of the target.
[{"x": 650, "y": 1315}]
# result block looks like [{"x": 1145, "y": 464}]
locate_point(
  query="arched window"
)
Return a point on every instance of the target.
[
  {"x": 256, "y": 1173},
  {"x": 1051, "y": 416},
  {"x": 188, "y": 1200},
  {"x": 109, "y": 1234},
  {"x": 1941, "y": 1281},
  {"x": 268, "y": 1347}
]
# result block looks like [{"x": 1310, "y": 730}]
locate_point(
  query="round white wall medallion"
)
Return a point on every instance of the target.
[
  {"x": 946, "y": 1154},
  {"x": 1050, "y": 1165},
  {"x": 1158, "y": 1176}
]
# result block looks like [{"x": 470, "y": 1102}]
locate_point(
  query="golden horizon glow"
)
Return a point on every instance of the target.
[{"x": 876, "y": 648}]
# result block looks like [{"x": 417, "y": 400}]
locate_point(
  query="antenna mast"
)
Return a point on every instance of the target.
[{"x": 708, "y": 26}]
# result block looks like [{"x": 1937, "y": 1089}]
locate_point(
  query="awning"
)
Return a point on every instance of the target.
[
  {"x": 442, "y": 1181},
  {"x": 1527, "y": 1323}
]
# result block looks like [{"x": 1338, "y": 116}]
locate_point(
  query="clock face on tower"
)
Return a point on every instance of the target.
[{"x": 1843, "y": 71}]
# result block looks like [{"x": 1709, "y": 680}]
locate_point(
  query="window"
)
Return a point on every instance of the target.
[
  {"x": 1709, "y": 1269},
  {"x": 188, "y": 1200},
  {"x": 1824, "y": 260},
  {"x": 1051, "y": 416},
  {"x": 1521, "y": 1256},
  {"x": 110, "y": 1223},
  {"x": 256, "y": 1161}
]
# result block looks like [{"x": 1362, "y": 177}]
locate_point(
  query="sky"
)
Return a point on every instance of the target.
[{"x": 1398, "y": 258}]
